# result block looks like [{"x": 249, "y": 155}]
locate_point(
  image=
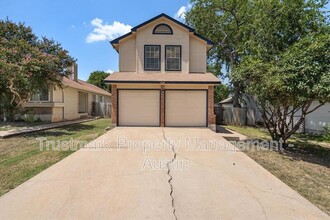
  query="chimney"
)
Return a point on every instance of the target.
[{"x": 74, "y": 72}]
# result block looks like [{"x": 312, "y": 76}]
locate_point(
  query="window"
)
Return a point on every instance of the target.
[
  {"x": 152, "y": 57},
  {"x": 41, "y": 96},
  {"x": 162, "y": 29},
  {"x": 173, "y": 58}
]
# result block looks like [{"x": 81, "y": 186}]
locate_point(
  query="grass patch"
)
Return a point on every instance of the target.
[
  {"x": 6, "y": 126},
  {"x": 21, "y": 158},
  {"x": 305, "y": 167}
]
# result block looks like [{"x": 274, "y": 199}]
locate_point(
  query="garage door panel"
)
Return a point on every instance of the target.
[
  {"x": 139, "y": 107},
  {"x": 186, "y": 108}
]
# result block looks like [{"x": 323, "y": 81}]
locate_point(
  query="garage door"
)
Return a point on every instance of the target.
[
  {"x": 186, "y": 108},
  {"x": 139, "y": 107}
]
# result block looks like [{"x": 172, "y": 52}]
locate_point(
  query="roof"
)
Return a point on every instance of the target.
[
  {"x": 85, "y": 86},
  {"x": 227, "y": 100},
  {"x": 173, "y": 78},
  {"x": 134, "y": 29}
]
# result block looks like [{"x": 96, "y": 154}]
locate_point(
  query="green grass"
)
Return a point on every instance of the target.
[
  {"x": 21, "y": 157},
  {"x": 305, "y": 167}
]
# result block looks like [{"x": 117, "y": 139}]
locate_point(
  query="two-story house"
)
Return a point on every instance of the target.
[{"x": 162, "y": 78}]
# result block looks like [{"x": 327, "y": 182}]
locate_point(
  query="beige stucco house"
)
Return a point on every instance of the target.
[
  {"x": 74, "y": 100},
  {"x": 162, "y": 78}
]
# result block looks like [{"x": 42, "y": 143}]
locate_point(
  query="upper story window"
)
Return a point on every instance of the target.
[
  {"x": 172, "y": 58},
  {"x": 162, "y": 29},
  {"x": 41, "y": 96},
  {"x": 152, "y": 57}
]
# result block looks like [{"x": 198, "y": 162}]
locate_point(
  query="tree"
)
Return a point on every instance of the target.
[
  {"x": 277, "y": 51},
  {"x": 286, "y": 88},
  {"x": 221, "y": 92},
  {"x": 97, "y": 78},
  {"x": 225, "y": 22},
  {"x": 287, "y": 65},
  {"x": 27, "y": 64}
]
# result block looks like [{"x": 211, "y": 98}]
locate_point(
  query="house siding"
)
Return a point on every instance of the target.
[
  {"x": 197, "y": 55},
  {"x": 144, "y": 36},
  {"x": 127, "y": 55}
]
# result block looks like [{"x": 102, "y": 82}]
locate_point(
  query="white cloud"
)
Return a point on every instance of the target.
[
  {"x": 105, "y": 31},
  {"x": 109, "y": 71},
  {"x": 181, "y": 13}
]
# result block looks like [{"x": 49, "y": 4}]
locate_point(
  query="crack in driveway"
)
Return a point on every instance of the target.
[{"x": 169, "y": 173}]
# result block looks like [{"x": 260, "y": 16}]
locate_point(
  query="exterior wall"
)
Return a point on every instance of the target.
[
  {"x": 158, "y": 86},
  {"x": 90, "y": 102},
  {"x": 63, "y": 105},
  {"x": 71, "y": 104},
  {"x": 57, "y": 95},
  {"x": 211, "y": 115},
  {"x": 197, "y": 55},
  {"x": 127, "y": 55},
  {"x": 180, "y": 36},
  {"x": 317, "y": 120},
  {"x": 57, "y": 114}
]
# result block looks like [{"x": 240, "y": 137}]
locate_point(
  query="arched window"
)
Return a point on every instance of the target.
[{"x": 162, "y": 29}]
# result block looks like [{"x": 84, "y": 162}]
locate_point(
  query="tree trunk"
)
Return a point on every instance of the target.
[{"x": 236, "y": 94}]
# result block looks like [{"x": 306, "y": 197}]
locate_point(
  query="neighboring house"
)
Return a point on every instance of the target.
[
  {"x": 162, "y": 78},
  {"x": 315, "y": 122},
  {"x": 73, "y": 101}
]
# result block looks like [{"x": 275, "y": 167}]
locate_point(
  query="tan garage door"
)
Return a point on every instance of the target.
[
  {"x": 186, "y": 108},
  {"x": 138, "y": 107}
]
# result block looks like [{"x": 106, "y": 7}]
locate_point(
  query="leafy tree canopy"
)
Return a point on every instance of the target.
[
  {"x": 97, "y": 78},
  {"x": 221, "y": 92},
  {"x": 28, "y": 63},
  {"x": 277, "y": 51}
]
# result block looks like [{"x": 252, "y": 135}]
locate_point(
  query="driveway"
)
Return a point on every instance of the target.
[{"x": 155, "y": 173}]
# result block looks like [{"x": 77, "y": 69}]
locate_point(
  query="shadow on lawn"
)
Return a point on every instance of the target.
[
  {"x": 300, "y": 150},
  {"x": 308, "y": 152},
  {"x": 61, "y": 131}
]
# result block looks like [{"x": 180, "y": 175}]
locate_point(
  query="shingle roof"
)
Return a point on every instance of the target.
[
  {"x": 174, "y": 78},
  {"x": 134, "y": 29},
  {"x": 82, "y": 85}
]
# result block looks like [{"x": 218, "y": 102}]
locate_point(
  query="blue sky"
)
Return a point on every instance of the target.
[{"x": 85, "y": 27}]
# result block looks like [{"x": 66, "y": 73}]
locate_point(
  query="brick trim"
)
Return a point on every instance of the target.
[
  {"x": 211, "y": 115},
  {"x": 114, "y": 104},
  {"x": 162, "y": 106}
]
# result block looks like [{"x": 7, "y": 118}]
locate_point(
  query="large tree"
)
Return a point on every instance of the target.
[
  {"x": 287, "y": 62},
  {"x": 286, "y": 87},
  {"x": 225, "y": 22},
  {"x": 278, "y": 51},
  {"x": 27, "y": 64},
  {"x": 97, "y": 78}
]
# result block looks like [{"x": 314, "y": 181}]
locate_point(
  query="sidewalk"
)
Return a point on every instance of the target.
[
  {"x": 230, "y": 135},
  {"x": 24, "y": 130}
]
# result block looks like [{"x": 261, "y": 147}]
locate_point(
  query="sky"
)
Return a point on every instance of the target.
[{"x": 85, "y": 27}]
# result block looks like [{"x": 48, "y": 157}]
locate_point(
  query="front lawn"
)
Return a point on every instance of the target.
[
  {"x": 305, "y": 167},
  {"x": 21, "y": 157}
]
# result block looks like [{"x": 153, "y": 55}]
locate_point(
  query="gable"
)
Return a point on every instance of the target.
[{"x": 167, "y": 20}]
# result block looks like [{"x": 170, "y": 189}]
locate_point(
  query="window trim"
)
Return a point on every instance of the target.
[
  {"x": 159, "y": 58},
  {"x": 36, "y": 101},
  {"x": 153, "y": 31},
  {"x": 166, "y": 69}
]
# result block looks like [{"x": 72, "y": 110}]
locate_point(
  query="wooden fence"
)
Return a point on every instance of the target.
[
  {"x": 102, "y": 109},
  {"x": 234, "y": 116}
]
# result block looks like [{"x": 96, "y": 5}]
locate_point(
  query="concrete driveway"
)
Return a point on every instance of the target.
[{"x": 183, "y": 173}]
